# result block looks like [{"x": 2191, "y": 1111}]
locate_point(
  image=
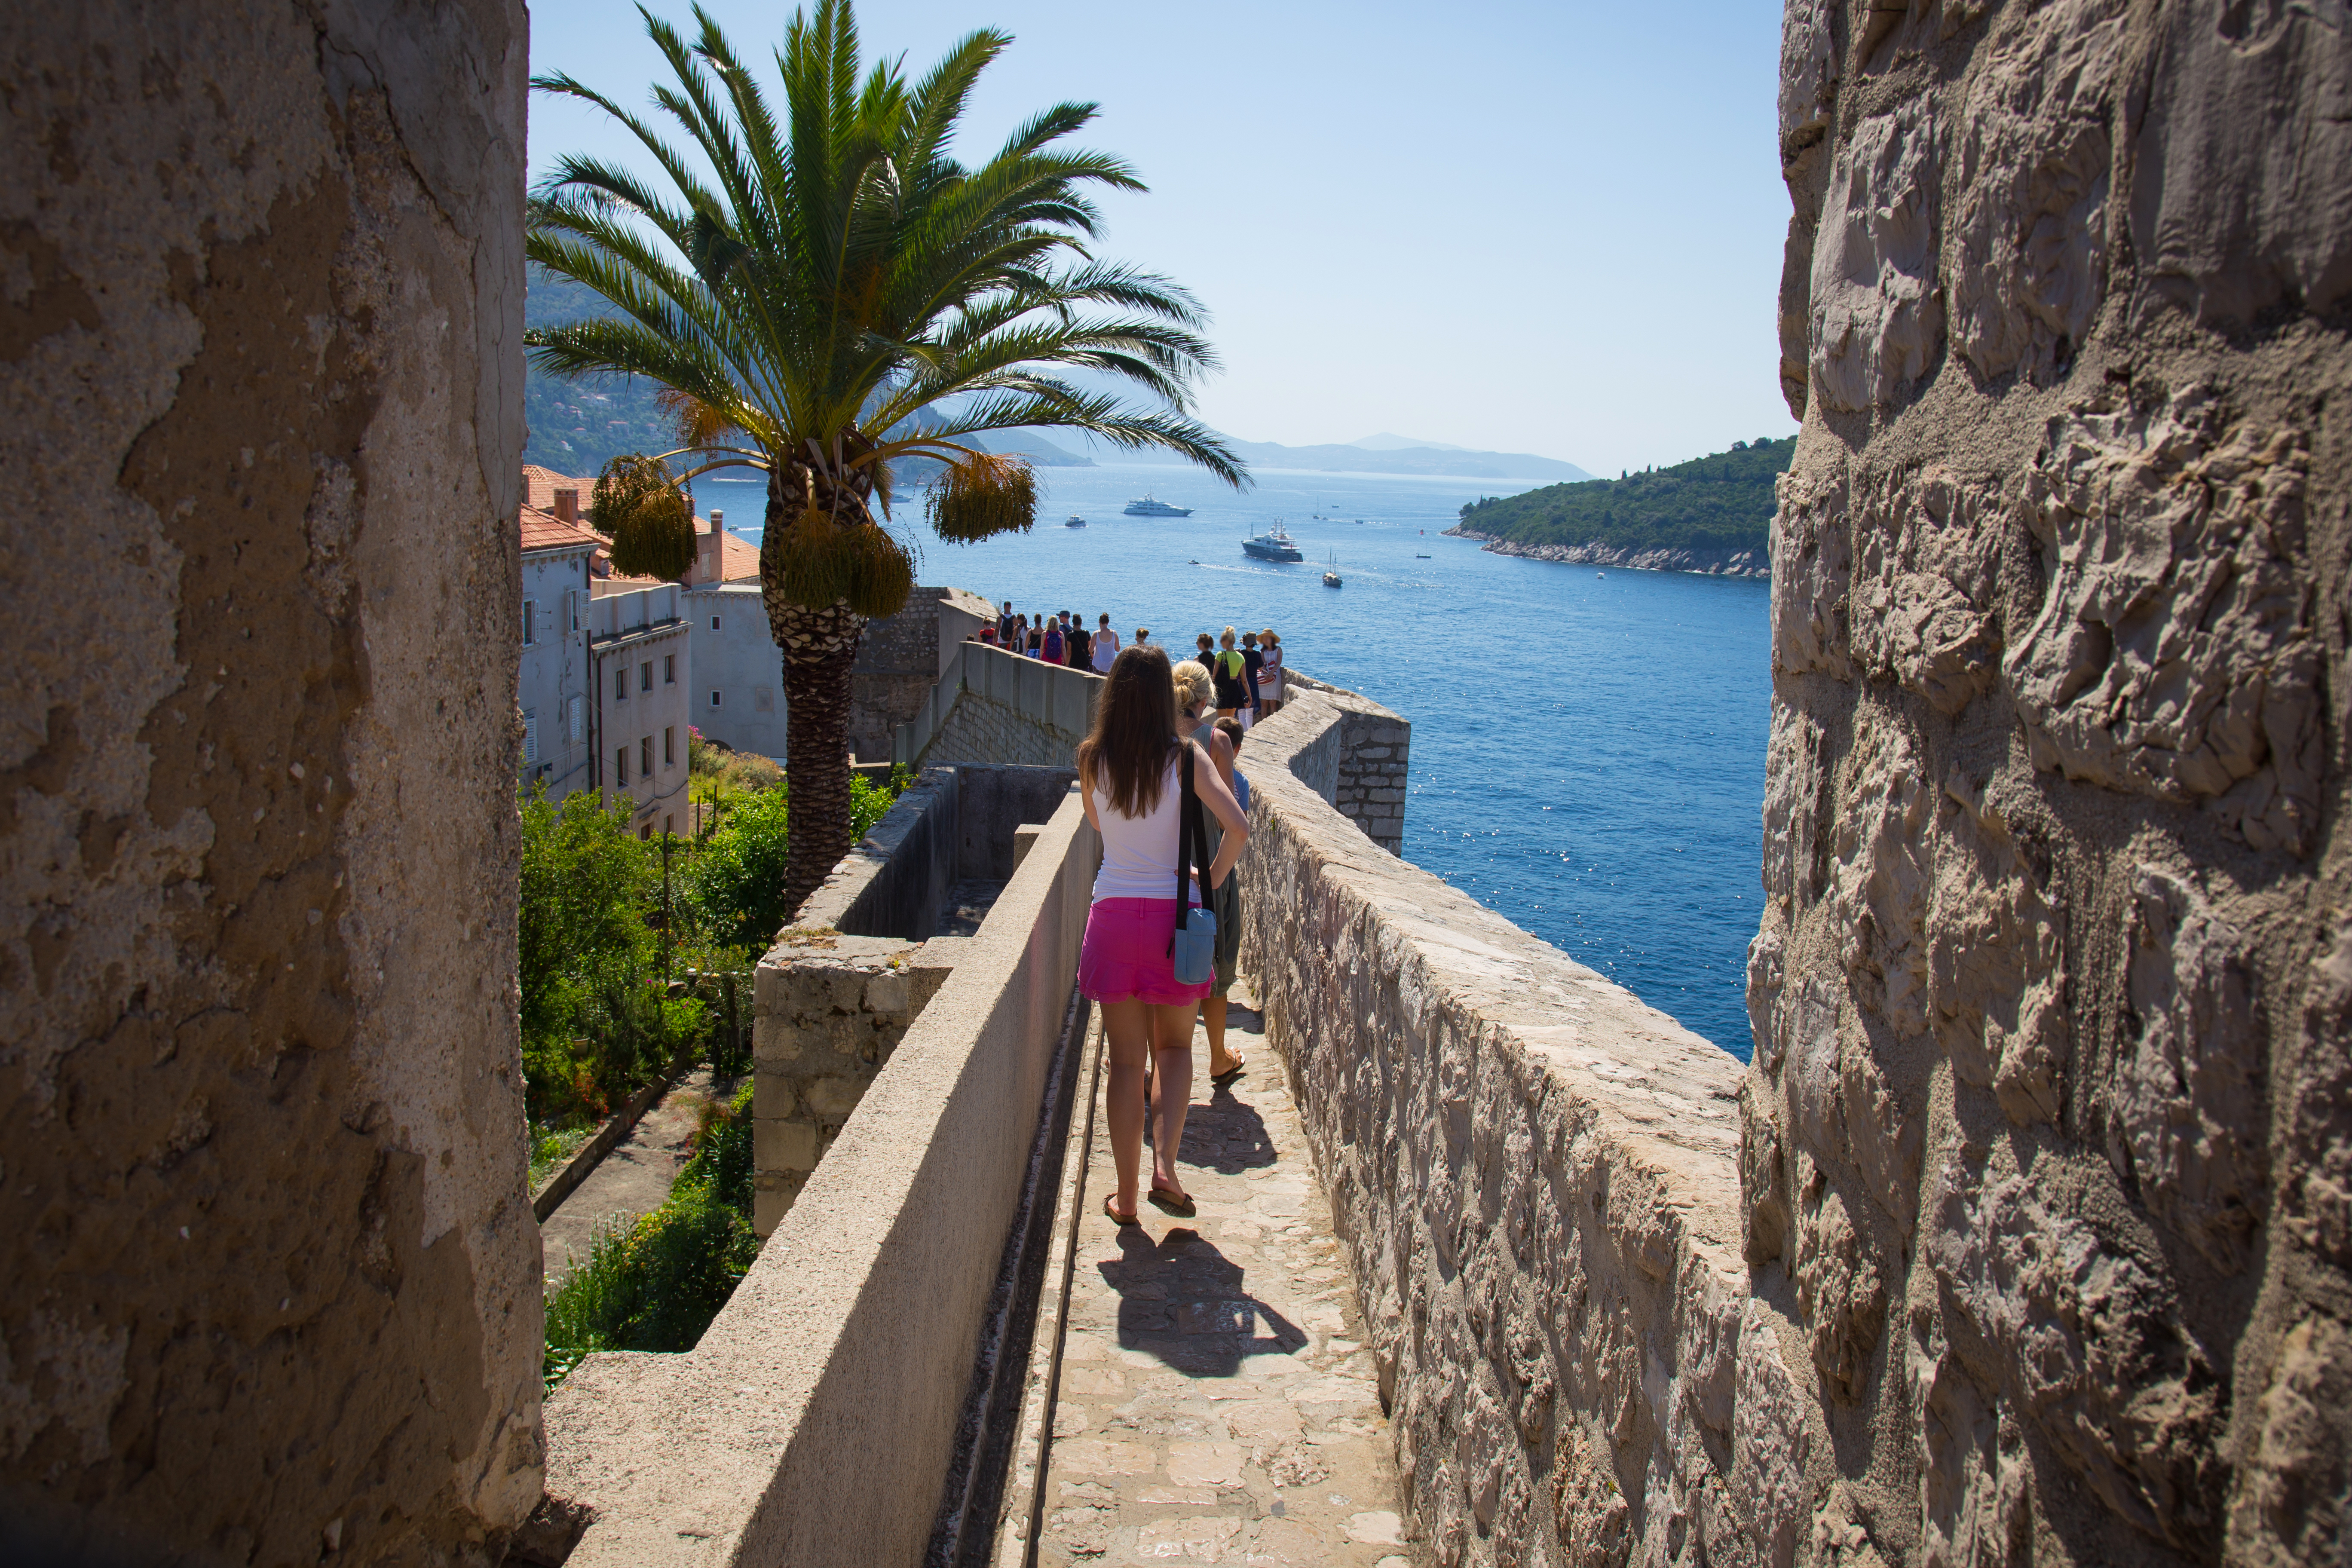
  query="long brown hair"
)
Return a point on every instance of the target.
[{"x": 1135, "y": 724}]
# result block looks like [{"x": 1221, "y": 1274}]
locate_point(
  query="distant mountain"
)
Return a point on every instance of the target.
[
  {"x": 1711, "y": 514},
  {"x": 1361, "y": 457},
  {"x": 1385, "y": 442}
]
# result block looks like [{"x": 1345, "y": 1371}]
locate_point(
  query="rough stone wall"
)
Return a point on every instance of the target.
[
  {"x": 982, "y": 730},
  {"x": 1370, "y": 752},
  {"x": 1536, "y": 1179},
  {"x": 273, "y": 1276},
  {"x": 2047, "y": 1135}
]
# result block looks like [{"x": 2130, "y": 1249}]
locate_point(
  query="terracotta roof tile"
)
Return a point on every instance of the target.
[{"x": 545, "y": 531}]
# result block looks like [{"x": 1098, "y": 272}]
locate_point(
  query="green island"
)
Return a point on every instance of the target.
[{"x": 1711, "y": 514}]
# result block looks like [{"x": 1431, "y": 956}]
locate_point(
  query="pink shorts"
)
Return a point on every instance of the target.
[{"x": 1125, "y": 954}]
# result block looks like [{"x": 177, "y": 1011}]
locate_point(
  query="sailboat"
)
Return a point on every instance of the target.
[{"x": 1332, "y": 575}]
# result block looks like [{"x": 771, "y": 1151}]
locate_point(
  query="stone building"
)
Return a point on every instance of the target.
[
  {"x": 739, "y": 670},
  {"x": 902, "y": 657},
  {"x": 273, "y": 1290},
  {"x": 552, "y": 689},
  {"x": 641, "y": 667}
]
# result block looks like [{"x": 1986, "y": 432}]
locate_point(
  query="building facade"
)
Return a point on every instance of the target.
[
  {"x": 552, "y": 687},
  {"x": 640, "y": 668},
  {"x": 739, "y": 670}
]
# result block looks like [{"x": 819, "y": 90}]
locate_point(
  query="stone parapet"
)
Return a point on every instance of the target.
[
  {"x": 1537, "y": 1179},
  {"x": 817, "y": 1420},
  {"x": 1361, "y": 767},
  {"x": 991, "y": 706}
]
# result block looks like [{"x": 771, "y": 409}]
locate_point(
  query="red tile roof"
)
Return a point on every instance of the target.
[
  {"x": 545, "y": 531},
  {"x": 741, "y": 557}
]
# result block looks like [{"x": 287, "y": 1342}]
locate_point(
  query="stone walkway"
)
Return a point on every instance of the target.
[
  {"x": 634, "y": 1179},
  {"x": 1216, "y": 1404}
]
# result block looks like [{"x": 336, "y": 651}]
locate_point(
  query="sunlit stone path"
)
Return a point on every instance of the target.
[{"x": 1216, "y": 1404}]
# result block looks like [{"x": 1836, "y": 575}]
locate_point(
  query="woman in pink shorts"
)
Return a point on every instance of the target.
[{"x": 1130, "y": 783}]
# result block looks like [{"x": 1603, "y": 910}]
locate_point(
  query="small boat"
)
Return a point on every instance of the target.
[
  {"x": 1331, "y": 578},
  {"x": 1076, "y": 522},
  {"x": 1274, "y": 544},
  {"x": 1419, "y": 557},
  {"x": 1145, "y": 505},
  {"x": 1600, "y": 573}
]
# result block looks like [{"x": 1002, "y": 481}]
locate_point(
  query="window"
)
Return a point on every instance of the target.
[
  {"x": 669, "y": 748},
  {"x": 574, "y": 720},
  {"x": 669, "y": 669},
  {"x": 714, "y": 699},
  {"x": 529, "y": 737},
  {"x": 646, "y": 676},
  {"x": 714, "y": 623},
  {"x": 529, "y": 622},
  {"x": 571, "y": 608},
  {"x": 620, "y": 685},
  {"x": 646, "y": 757},
  {"x": 621, "y": 767},
  {"x": 647, "y": 830}
]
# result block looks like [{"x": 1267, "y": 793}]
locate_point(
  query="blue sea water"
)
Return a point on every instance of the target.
[{"x": 1588, "y": 747}]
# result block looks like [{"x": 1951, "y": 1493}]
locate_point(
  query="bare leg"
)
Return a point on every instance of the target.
[
  {"x": 1213, "y": 1019},
  {"x": 1128, "y": 1026},
  {"x": 1172, "y": 1091}
]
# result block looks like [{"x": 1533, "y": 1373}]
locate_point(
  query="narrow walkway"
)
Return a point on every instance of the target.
[
  {"x": 634, "y": 1179},
  {"x": 1216, "y": 1404}
]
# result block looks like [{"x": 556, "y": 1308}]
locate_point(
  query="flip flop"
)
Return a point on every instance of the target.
[
  {"x": 1168, "y": 1200},
  {"x": 1116, "y": 1217},
  {"x": 1241, "y": 1065}
]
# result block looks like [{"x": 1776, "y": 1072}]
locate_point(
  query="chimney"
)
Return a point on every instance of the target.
[
  {"x": 567, "y": 505},
  {"x": 718, "y": 521}
]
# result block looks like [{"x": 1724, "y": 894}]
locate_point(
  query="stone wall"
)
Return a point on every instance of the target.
[
  {"x": 1536, "y": 1179},
  {"x": 990, "y": 706},
  {"x": 901, "y": 656},
  {"x": 1361, "y": 765},
  {"x": 818, "y": 1419},
  {"x": 273, "y": 1276},
  {"x": 2049, "y": 1130}
]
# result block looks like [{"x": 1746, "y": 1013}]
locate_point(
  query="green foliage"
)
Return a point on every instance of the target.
[
  {"x": 638, "y": 506},
  {"x": 1720, "y": 502},
  {"x": 734, "y": 886},
  {"x": 869, "y": 801},
  {"x": 656, "y": 1282},
  {"x": 552, "y": 1144},
  {"x": 596, "y": 1025}
]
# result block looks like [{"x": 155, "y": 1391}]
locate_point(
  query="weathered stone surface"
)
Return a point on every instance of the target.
[
  {"x": 2045, "y": 1145},
  {"x": 1536, "y": 1179},
  {"x": 272, "y": 1269}
]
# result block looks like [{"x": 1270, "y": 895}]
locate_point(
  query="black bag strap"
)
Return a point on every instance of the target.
[{"x": 1190, "y": 833}]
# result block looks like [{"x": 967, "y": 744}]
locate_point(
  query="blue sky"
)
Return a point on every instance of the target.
[{"x": 1549, "y": 229}]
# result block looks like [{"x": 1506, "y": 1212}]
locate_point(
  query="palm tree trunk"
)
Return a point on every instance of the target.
[{"x": 820, "y": 648}]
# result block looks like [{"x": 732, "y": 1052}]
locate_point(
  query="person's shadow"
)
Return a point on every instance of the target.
[{"x": 1182, "y": 1300}]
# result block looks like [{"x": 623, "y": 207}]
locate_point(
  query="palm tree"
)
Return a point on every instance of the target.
[{"x": 838, "y": 292}]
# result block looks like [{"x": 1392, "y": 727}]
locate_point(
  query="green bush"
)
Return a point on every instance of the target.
[
  {"x": 656, "y": 1282},
  {"x": 734, "y": 887}
]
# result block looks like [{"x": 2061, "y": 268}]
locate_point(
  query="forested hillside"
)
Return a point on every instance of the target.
[
  {"x": 1718, "y": 504},
  {"x": 576, "y": 426}
]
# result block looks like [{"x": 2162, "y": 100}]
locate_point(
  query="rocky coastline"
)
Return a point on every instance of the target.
[{"x": 1704, "y": 562}]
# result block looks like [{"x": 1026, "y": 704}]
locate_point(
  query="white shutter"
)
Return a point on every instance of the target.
[
  {"x": 573, "y": 720},
  {"x": 530, "y": 738}
]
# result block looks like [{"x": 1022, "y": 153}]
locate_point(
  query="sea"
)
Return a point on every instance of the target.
[{"x": 1588, "y": 744}]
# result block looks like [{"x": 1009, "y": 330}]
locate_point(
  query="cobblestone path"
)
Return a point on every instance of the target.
[{"x": 1216, "y": 1404}]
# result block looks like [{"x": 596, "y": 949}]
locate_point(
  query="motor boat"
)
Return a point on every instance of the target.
[
  {"x": 1274, "y": 544},
  {"x": 1076, "y": 522},
  {"x": 1145, "y": 505}
]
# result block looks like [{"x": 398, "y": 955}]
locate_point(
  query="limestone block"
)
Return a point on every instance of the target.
[
  {"x": 1808, "y": 71},
  {"x": 2187, "y": 1102},
  {"x": 780, "y": 1146},
  {"x": 1926, "y": 551},
  {"x": 1769, "y": 1443},
  {"x": 1877, "y": 316},
  {"x": 2030, "y": 222},
  {"x": 832, "y": 1096},
  {"x": 1812, "y": 569},
  {"x": 888, "y": 993},
  {"x": 1879, "y": 875},
  {"x": 2173, "y": 654},
  {"x": 2093, "y": 1354},
  {"x": 1996, "y": 983},
  {"x": 1797, "y": 775},
  {"x": 1840, "y": 1293},
  {"x": 2294, "y": 1505},
  {"x": 2317, "y": 1169}
]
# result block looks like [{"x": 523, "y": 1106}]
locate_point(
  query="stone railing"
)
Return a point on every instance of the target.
[
  {"x": 1536, "y": 1177},
  {"x": 1359, "y": 764},
  {"x": 991, "y": 706},
  {"x": 827, "y": 1410},
  {"x": 863, "y": 957}
]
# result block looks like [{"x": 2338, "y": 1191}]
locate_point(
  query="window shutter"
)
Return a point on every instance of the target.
[
  {"x": 530, "y": 737},
  {"x": 573, "y": 721},
  {"x": 529, "y": 622}
]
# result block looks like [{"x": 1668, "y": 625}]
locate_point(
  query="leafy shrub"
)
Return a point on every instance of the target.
[
  {"x": 735, "y": 885},
  {"x": 655, "y": 1283}
]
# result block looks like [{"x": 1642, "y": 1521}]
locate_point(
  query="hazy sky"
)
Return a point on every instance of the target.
[{"x": 1543, "y": 228}]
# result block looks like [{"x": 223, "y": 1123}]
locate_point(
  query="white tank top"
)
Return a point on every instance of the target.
[
  {"x": 1139, "y": 852},
  {"x": 1106, "y": 654}
]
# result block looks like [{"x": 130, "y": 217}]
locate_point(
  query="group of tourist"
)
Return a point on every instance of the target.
[
  {"x": 1246, "y": 674},
  {"x": 1158, "y": 780}
]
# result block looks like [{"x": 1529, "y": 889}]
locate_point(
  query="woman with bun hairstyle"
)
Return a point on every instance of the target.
[{"x": 1130, "y": 782}]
